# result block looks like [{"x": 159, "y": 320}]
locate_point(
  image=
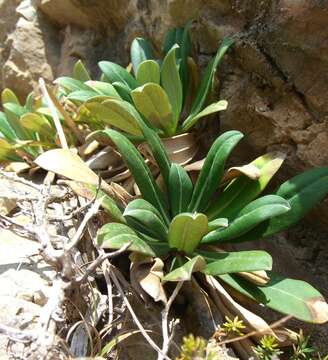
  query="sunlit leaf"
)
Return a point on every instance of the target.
[
  {"x": 115, "y": 235},
  {"x": 153, "y": 103},
  {"x": 80, "y": 72},
  {"x": 148, "y": 72},
  {"x": 103, "y": 88},
  {"x": 8, "y": 96},
  {"x": 171, "y": 83},
  {"x": 184, "y": 272},
  {"x": 186, "y": 231},
  {"x": 242, "y": 190},
  {"x": 288, "y": 296},
  {"x": 232, "y": 262},
  {"x": 116, "y": 113},
  {"x": 211, "y": 109},
  {"x": 140, "y": 51},
  {"x": 249, "y": 217},
  {"x": 116, "y": 73}
]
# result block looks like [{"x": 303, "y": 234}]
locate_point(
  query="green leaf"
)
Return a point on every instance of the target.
[
  {"x": 186, "y": 231},
  {"x": 116, "y": 113},
  {"x": 158, "y": 151},
  {"x": 218, "y": 223},
  {"x": 37, "y": 123},
  {"x": 5, "y": 128},
  {"x": 8, "y": 96},
  {"x": 148, "y": 72},
  {"x": 213, "y": 108},
  {"x": 29, "y": 103},
  {"x": 153, "y": 103},
  {"x": 172, "y": 37},
  {"x": 141, "y": 173},
  {"x": 184, "y": 272},
  {"x": 180, "y": 189},
  {"x": 254, "y": 213},
  {"x": 212, "y": 170},
  {"x": 144, "y": 217},
  {"x": 103, "y": 88},
  {"x": 233, "y": 262},
  {"x": 171, "y": 83},
  {"x": 115, "y": 235},
  {"x": 71, "y": 84},
  {"x": 123, "y": 90},
  {"x": 288, "y": 296},
  {"x": 140, "y": 51},
  {"x": 242, "y": 190},
  {"x": 80, "y": 72},
  {"x": 82, "y": 95},
  {"x": 184, "y": 53},
  {"x": 303, "y": 192},
  {"x": 207, "y": 78},
  {"x": 13, "y": 113},
  {"x": 116, "y": 73}
]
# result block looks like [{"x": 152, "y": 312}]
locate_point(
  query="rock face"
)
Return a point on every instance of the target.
[{"x": 275, "y": 77}]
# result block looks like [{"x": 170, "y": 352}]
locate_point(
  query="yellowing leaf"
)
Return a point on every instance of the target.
[
  {"x": 151, "y": 101},
  {"x": 65, "y": 163}
]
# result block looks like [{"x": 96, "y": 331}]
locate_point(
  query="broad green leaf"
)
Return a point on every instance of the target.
[
  {"x": 233, "y": 262},
  {"x": 212, "y": 170},
  {"x": 218, "y": 223},
  {"x": 5, "y": 128},
  {"x": 13, "y": 113},
  {"x": 90, "y": 191},
  {"x": 253, "y": 214},
  {"x": 184, "y": 272},
  {"x": 37, "y": 123},
  {"x": 116, "y": 113},
  {"x": 82, "y": 95},
  {"x": 29, "y": 103},
  {"x": 141, "y": 173},
  {"x": 144, "y": 217},
  {"x": 153, "y": 103},
  {"x": 242, "y": 190},
  {"x": 71, "y": 84},
  {"x": 288, "y": 296},
  {"x": 123, "y": 90},
  {"x": 211, "y": 109},
  {"x": 116, "y": 73},
  {"x": 140, "y": 51},
  {"x": 186, "y": 231},
  {"x": 148, "y": 72},
  {"x": 103, "y": 88},
  {"x": 115, "y": 235},
  {"x": 80, "y": 72},
  {"x": 180, "y": 189},
  {"x": 207, "y": 78},
  {"x": 8, "y": 96},
  {"x": 303, "y": 192},
  {"x": 171, "y": 83}
]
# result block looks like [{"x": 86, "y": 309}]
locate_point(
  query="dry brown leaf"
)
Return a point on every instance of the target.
[
  {"x": 105, "y": 159},
  {"x": 256, "y": 277},
  {"x": 250, "y": 319},
  {"x": 195, "y": 166},
  {"x": 146, "y": 273},
  {"x": 249, "y": 170}
]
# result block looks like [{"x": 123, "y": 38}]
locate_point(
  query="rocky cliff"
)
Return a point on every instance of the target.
[{"x": 275, "y": 77}]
